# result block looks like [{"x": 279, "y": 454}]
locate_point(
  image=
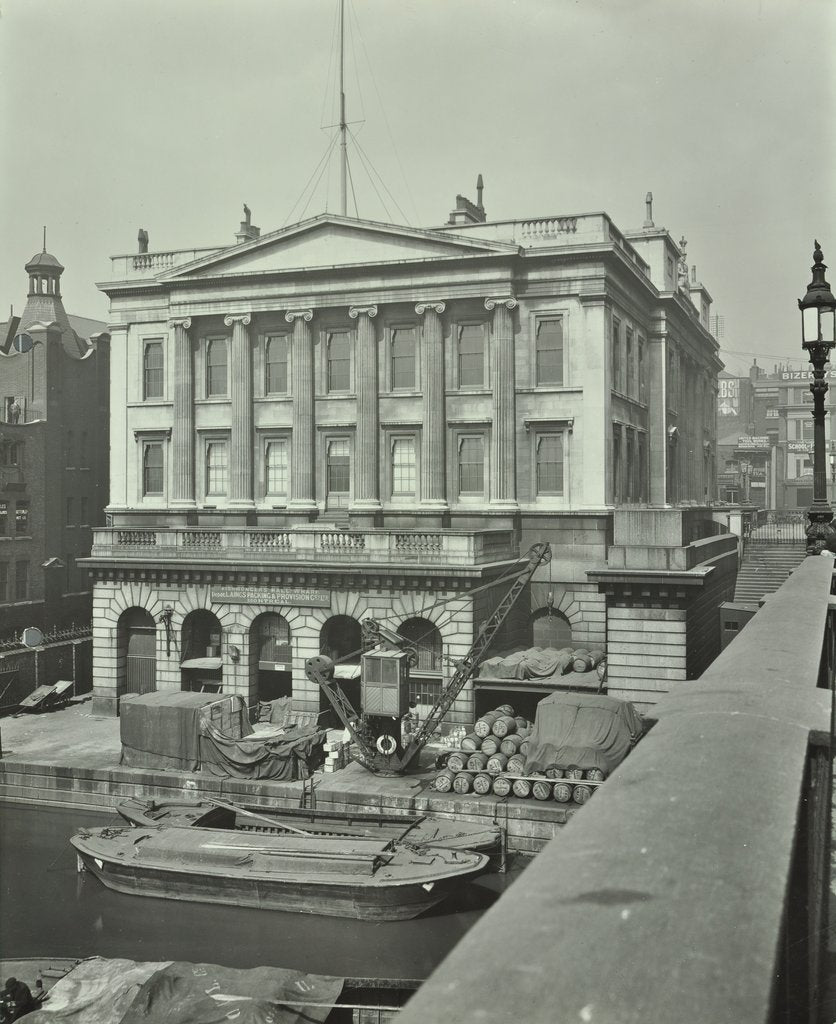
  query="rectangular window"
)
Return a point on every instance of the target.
[
  {"x": 549, "y": 456},
  {"x": 549, "y": 351},
  {"x": 152, "y": 370},
  {"x": 642, "y": 372},
  {"x": 630, "y": 390},
  {"x": 403, "y": 466},
  {"x": 216, "y": 367},
  {"x": 70, "y": 512},
  {"x": 84, "y": 517},
  {"x": 403, "y": 359},
  {"x": 616, "y": 354},
  {"x": 275, "y": 355},
  {"x": 471, "y": 356},
  {"x": 616, "y": 464},
  {"x": 339, "y": 361},
  {"x": 472, "y": 465},
  {"x": 4, "y": 582},
  {"x": 275, "y": 469},
  {"x": 4, "y": 518},
  {"x": 152, "y": 468},
  {"x": 22, "y": 518},
  {"x": 21, "y": 581},
  {"x": 338, "y": 467},
  {"x": 217, "y": 468}
]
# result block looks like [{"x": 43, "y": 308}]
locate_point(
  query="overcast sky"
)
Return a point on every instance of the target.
[{"x": 170, "y": 114}]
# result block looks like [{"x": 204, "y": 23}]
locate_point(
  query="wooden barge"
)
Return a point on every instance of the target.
[
  {"x": 418, "y": 830},
  {"x": 365, "y": 879}
]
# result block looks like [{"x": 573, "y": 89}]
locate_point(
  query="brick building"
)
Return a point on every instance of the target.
[
  {"x": 54, "y": 458},
  {"x": 346, "y": 418}
]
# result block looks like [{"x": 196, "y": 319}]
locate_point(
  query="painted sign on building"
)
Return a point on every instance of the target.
[
  {"x": 803, "y": 375},
  {"x": 287, "y": 596},
  {"x": 799, "y": 446},
  {"x": 750, "y": 441},
  {"x": 728, "y": 396}
]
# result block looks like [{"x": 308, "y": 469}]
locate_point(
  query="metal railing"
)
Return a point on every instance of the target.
[{"x": 693, "y": 887}]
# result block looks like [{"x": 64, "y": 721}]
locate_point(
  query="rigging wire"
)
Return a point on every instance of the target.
[
  {"x": 363, "y": 164},
  {"x": 385, "y": 119},
  {"x": 369, "y": 168},
  {"x": 323, "y": 160},
  {"x": 351, "y": 183},
  {"x": 329, "y": 90}
]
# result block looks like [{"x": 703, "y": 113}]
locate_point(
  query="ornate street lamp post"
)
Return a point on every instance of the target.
[{"x": 818, "y": 323}]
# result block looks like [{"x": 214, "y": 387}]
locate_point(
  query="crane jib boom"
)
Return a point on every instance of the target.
[
  {"x": 320, "y": 671},
  {"x": 536, "y": 555}
]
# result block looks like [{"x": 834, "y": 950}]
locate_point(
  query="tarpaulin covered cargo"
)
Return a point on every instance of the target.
[
  {"x": 533, "y": 663},
  {"x": 100, "y": 991},
  {"x": 587, "y": 730},
  {"x": 292, "y": 756},
  {"x": 162, "y": 729}
]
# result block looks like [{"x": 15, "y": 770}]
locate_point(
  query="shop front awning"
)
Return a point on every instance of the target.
[{"x": 201, "y": 663}]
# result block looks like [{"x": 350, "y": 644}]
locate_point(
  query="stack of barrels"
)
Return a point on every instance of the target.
[{"x": 492, "y": 758}]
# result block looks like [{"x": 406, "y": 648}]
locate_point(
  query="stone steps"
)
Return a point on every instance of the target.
[{"x": 764, "y": 568}]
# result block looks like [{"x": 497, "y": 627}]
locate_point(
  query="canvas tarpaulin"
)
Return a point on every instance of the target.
[
  {"x": 587, "y": 730},
  {"x": 534, "y": 663},
  {"x": 162, "y": 729},
  {"x": 288, "y": 757},
  {"x": 100, "y": 991}
]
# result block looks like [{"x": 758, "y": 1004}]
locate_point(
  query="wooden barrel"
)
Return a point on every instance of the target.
[
  {"x": 443, "y": 782},
  {"x": 573, "y": 772},
  {"x": 490, "y": 745},
  {"x": 597, "y": 657},
  {"x": 522, "y": 723},
  {"x": 582, "y": 662},
  {"x": 505, "y": 709},
  {"x": 477, "y": 762},
  {"x": 496, "y": 764},
  {"x": 482, "y": 783},
  {"x": 541, "y": 789},
  {"x": 595, "y": 774},
  {"x": 524, "y": 747},
  {"x": 562, "y": 792},
  {"x": 601, "y": 669},
  {"x": 504, "y": 726},
  {"x": 580, "y": 794},
  {"x": 521, "y": 788},
  {"x": 552, "y": 772},
  {"x": 482, "y": 728},
  {"x": 471, "y": 742},
  {"x": 462, "y": 783},
  {"x": 502, "y": 785},
  {"x": 516, "y": 764},
  {"x": 456, "y": 761},
  {"x": 510, "y": 745}
]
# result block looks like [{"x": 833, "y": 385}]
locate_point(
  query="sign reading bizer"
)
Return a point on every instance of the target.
[{"x": 288, "y": 596}]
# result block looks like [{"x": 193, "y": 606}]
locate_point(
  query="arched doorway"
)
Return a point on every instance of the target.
[
  {"x": 340, "y": 640},
  {"x": 271, "y": 657},
  {"x": 201, "y": 641},
  {"x": 425, "y": 675},
  {"x": 137, "y": 640},
  {"x": 550, "y": 628}
]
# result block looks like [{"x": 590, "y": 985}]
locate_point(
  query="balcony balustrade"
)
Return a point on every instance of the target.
[{"x": 307, "y": 544}]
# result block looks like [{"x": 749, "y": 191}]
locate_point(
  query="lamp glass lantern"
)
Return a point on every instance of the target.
[{"x": 818, "y": 308}]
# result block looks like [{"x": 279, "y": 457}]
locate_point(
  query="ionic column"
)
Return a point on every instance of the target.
[
  {"x": 182, "y": 428},
  {"x": 433, "y": 476},
  {"x": 366, "y": 495},
  {"x": 302, "y": 491},
  {"x": 241, "y": 395},
  {"x": 503, "y": 434}
]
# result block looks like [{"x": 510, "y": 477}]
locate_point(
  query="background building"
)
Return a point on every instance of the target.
[
  {"x": 346, "y": 418},
  {"x": 54, "y": 458}
]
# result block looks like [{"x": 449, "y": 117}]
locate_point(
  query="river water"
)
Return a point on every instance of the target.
[{"x": 48, "y": 909}]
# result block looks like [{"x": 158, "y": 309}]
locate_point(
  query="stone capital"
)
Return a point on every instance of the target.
[
  {"x": 355, "y": 311},
  {"x": 508, "y": 301},
  {"x": 184, "y": 321},
  {"x": 422, "y": 307},
  {"x": 243, "y": 318},
  {"x": 299, "y": 314}
]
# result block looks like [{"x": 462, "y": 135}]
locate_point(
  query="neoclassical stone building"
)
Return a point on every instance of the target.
[{"x": 345, "y": 418}]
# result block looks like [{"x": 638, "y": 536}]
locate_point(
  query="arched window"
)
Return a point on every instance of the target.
[
  {"x": 137, "y": 637},
  {"x": 427, "y": 640},
  {"x": 550, "y": 628},
  {"x": 340, "y": 639},
  {"x": 272, "y": 638},
  {"x": 216, "y": 367}
]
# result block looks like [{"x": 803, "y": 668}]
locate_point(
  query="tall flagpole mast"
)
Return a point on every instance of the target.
[{"x": 343, "y": 151}]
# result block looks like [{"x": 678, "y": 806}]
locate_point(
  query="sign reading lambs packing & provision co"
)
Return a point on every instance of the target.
[{"x": 288, "y": 596}]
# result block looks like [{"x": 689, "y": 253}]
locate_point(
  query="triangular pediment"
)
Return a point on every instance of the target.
[{"x": 330, "y": 241}]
